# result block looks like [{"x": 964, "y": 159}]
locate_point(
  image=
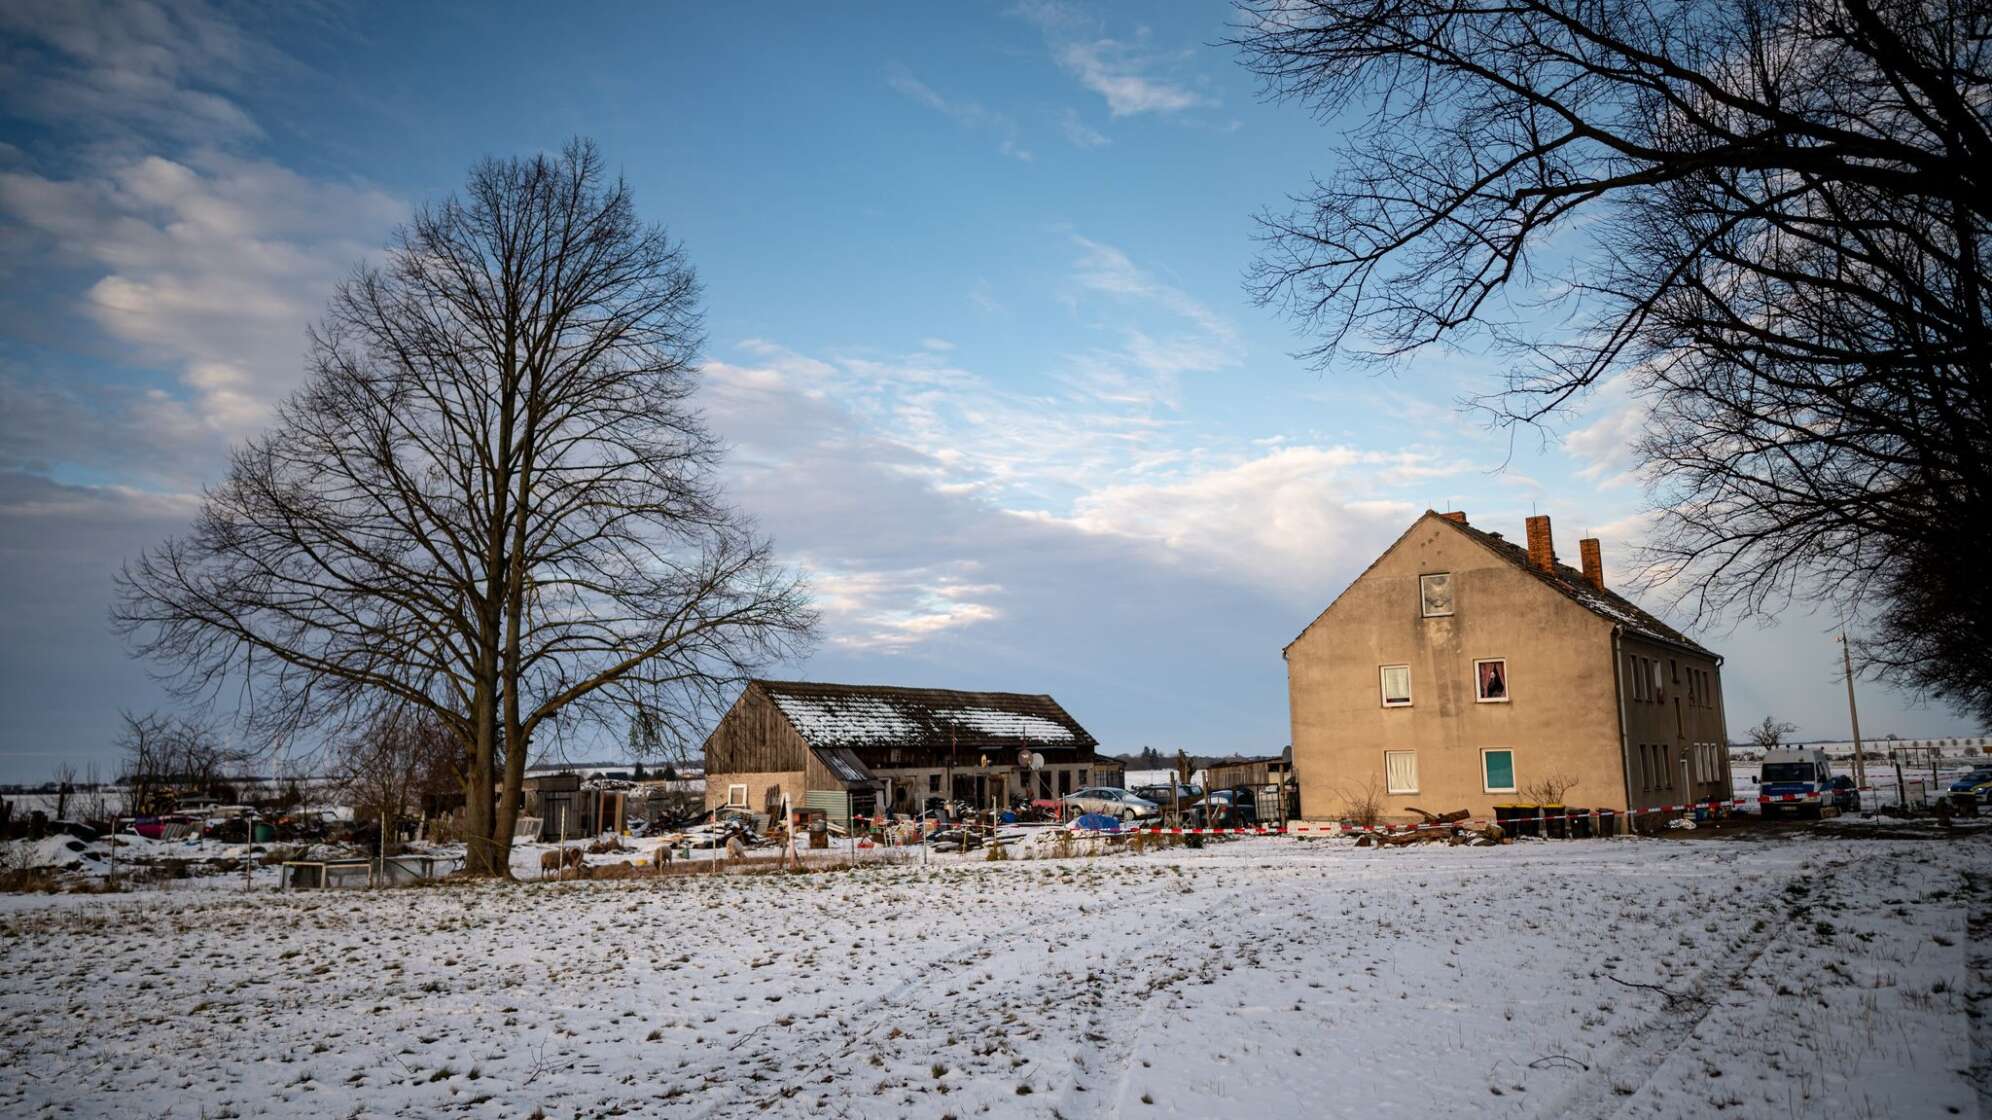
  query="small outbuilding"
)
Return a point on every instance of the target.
[{"x": 870, "y": 750}]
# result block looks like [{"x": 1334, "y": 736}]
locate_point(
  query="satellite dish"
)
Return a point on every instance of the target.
[{"x": 1030, "y": 759}]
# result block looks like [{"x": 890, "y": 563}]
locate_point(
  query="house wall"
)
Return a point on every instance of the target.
[
  {"x": 1561, "y": 718},
  {"x": 753, "y": 738},
  {"x": 1676, "y": 721},
  {"x": 758, "y": 783},
  {"x": 755, "y": 746}
]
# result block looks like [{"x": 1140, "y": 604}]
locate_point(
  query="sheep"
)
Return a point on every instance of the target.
[{"x": 549, "y": 861}]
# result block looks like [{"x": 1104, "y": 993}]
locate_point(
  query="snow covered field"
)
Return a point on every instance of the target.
[{"x": 1269, "y": 977}]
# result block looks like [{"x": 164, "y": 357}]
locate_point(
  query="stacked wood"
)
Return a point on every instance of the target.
[{"x": 1438, "y": 828}]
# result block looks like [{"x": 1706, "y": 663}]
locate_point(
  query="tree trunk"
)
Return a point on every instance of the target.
[{"x": 477, "y": 815}]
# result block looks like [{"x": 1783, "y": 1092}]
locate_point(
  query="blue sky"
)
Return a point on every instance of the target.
[{"x": 978, "y": 337}]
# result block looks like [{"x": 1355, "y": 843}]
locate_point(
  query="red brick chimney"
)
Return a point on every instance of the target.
[
  {"x": 1594, "y": 562},
  {"x": 1542, "y": 553},
  {"x": 1457, "y": 516}
]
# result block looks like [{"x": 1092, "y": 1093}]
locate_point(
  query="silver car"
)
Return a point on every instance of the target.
[{"x": 1111, "y": 801}]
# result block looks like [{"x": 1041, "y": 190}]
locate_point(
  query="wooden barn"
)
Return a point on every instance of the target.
[{"x": 868, "y": 750}]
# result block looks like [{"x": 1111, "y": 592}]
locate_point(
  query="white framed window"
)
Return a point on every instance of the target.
[
  {"x": 1435, "y": 594},
  {"x": 1636, "y": 675},
  {"x": 1656, "y": 687},
  {"x": 736, "y": 797},
  {"x": 1396, "y": 683},
  {"x": 1490, "y": 680},
  {"x": 1400, "y": 771},
  {"x": 1497, "y": 770}
]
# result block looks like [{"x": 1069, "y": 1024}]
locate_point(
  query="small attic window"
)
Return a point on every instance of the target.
[{"x": 1435, "y": 594}]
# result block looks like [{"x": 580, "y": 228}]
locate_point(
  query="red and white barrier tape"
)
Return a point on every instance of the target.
[{"x": 1531, "y": 820}]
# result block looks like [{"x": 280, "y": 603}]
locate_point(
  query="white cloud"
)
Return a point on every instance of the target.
[
  {"x": 969, "y": 114},
  {"x": 148, "y": 218},
  {"x": 1081, "y": 134},
  {"x": 129, "y": 69},
  {"x": 1168, "y": 333},
  {"x": 892, "y": 610},
  {"x": 1282, "y": 519},
  {"x": 1114, "y": 71},
  {"x": 1122, "y": 72},
  {"x": 212, "y": 265},
  {"x": 1607, "y": 444},
  {"x": 928, "y": 504}
]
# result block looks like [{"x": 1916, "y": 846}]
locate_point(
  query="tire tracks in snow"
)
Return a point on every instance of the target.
[
  {"x": 876, "y": 1014},
  {"x": 1649, "y": 1045},
  {"x": 1978, "y": 993}
]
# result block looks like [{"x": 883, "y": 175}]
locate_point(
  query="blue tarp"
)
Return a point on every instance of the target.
[{"x": 1096, "y": 822}]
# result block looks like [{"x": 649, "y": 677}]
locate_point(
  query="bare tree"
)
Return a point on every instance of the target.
[
  {"x": 383, "y": 769},
  {"x": 1770, "y": 733},
  {"x": 493, "y": 503},
  {"x": 1549, "y": 790},
  {"x": 93, "y": 804},
  {"x": 1363, "y": 803},
  {"x": 167, "y": 757},
  {"x": 1770, "y": 217}
]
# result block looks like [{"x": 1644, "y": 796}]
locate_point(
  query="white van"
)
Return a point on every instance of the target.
[{"x": 1804, "y": 776}]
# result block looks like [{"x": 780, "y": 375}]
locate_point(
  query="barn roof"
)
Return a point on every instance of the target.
[{"x": 847, "y": 715}]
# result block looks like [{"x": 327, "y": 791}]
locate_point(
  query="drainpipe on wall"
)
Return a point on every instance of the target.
[
  {"x": 1625, "y": 749},
  {"x": 1722, "y": 728}
]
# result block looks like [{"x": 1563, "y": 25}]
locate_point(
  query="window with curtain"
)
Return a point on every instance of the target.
[
  {"x": 1497, "y": 769},
  {"x": 1396, "y": 686},
  {"x": 1400, "y": 771}
]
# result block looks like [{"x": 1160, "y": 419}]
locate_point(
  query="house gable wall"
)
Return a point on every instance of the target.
[
  {"x": 1561, "y": 718},
  {"x": 754, "y": 737}
]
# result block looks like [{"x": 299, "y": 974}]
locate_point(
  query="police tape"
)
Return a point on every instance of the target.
[{"x": 1535, "y": 820}]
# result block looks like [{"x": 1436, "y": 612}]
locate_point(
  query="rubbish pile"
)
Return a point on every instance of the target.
[{"x": 1442, "y": 828}]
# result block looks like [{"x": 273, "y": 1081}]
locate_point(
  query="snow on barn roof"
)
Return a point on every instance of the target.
[{"x": 845, "y": 715}]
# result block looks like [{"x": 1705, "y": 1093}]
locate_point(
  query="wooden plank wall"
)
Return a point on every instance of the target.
[{"x": 753, "y": 737}]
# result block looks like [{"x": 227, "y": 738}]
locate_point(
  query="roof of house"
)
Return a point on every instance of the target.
[
  {"x": 1605, "y": 603},
  {"x": 847, "y": 715},
  {"x": 1566, "y": 580}
]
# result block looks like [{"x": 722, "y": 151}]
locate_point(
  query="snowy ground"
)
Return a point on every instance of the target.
[{"x": 1269, "y": 977}]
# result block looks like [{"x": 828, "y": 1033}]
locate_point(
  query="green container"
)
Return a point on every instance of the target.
[{"x": 262, "y": 833}]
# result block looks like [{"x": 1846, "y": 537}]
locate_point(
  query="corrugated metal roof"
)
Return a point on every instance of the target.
[
  {"x": 843, "y": 765},
  {"x": 844, "y": 715}
]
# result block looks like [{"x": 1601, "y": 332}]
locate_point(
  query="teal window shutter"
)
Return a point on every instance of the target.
[{"x": 1500, "y": 767}]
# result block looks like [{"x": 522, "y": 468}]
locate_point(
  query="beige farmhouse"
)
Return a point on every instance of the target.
[{"x": 1463, "y": 671}]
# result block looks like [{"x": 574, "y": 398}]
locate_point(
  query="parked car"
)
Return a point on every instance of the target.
[
  {"x": 1166, "y": 795},
  {"x": 1110, "y": 801},
  {"x": 1972, "y": 790},
  {"x": 1978, "y": 783},
  {"x": 1227, "y": 808}
]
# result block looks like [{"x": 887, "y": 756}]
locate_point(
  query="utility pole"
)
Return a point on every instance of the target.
[{"x": 1853, "y": 713}]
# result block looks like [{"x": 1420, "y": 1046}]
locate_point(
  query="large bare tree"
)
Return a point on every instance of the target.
[
  {"x": 1769, "y": 216},
  {"x": 493, "y": 504}
]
